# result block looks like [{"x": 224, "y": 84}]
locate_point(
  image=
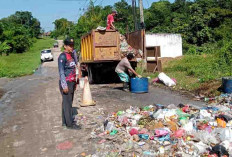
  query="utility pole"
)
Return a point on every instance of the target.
[{"x": 141, "y": 14}]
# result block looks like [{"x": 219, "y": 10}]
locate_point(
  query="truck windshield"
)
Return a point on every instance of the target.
[{"x": 46, "y": 51}]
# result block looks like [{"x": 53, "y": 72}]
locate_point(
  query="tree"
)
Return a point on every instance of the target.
[
  {"x": 62, "y": 27},
  {"x": 4, "y": 48},
  {"x": 158, "y": 17},
  {"x": 17, "y": 32}
]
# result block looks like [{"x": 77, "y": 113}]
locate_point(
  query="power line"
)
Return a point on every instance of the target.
[
  {"x": 101, "y": 2},
  {"x": 148, "y": 4}
]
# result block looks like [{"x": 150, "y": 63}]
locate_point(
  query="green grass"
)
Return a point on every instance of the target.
[
  {"x": 25, "y": 63},
  {"x": 192, "y": 72},
  {"x": 60, "y": 37}
]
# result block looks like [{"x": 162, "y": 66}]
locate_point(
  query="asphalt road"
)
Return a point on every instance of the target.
[{"x": 30, "y": 112}]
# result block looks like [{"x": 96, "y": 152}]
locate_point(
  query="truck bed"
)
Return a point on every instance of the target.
[{"x": 100, "y": 46}]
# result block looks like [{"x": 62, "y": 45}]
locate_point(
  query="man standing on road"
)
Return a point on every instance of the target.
[
  {"x": 110, "y": 20},
  {"x": 123, "y": 67},
  {"x": 67, "y": 83}
]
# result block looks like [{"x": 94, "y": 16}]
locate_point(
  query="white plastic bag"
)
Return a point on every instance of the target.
[
  {"x": 166, "y": 80},
  {"x": 226, "y": 134},
  {"x": 188, "y": 127}
]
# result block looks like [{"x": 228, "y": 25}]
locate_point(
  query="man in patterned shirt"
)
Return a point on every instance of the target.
[{"x": 67, "y": 71}]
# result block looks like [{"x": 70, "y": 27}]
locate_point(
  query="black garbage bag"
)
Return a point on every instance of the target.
[
  {"x": 219, "y": 150},
  {"x": 224, "y": 117}
]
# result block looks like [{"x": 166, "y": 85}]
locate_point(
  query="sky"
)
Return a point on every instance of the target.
[{"x": 47, "y": 11}]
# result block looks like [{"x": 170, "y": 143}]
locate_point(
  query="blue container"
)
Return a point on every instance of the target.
[
  {"x": 139, "y": 85},
  {"x": 227, "y": 84}
]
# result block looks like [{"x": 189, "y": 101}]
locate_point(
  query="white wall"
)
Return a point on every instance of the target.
[{"x": 170, "y": 44}]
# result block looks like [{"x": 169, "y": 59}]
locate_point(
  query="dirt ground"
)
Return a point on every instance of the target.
[{"x": 30, "y": 113}]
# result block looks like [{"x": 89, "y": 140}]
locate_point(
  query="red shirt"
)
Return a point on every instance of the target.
[{"x": 110, "y": 18}]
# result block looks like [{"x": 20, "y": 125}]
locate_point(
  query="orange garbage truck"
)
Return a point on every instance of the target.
[{"x": 100, "y": 54}]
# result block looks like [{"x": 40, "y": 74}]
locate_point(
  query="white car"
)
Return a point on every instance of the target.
[{"x": 46, "y": 55}]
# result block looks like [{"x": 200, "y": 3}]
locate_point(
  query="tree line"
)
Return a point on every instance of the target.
[
  {"x": 18, "y": 32},
  {"x": 205, "y": 25}
]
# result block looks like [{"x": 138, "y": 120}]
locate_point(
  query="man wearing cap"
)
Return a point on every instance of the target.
[
  {"x": 122, "y": 68},
  {"x": 110, "y": 20},
  {"x": 67, "y": 83}
]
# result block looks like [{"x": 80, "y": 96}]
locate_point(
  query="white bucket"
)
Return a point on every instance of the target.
[{"x": 81, "y": 82}]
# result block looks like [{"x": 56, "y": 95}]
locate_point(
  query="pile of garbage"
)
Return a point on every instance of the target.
[{"x": 159, "y": 130}]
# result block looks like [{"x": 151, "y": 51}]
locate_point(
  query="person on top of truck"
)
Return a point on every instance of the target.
[
  {"x": 122, "y": 68},
  {"x": 110, "y": 20}
]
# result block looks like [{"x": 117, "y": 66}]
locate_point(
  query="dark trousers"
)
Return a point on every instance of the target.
[{"x": 67, "y": 100}]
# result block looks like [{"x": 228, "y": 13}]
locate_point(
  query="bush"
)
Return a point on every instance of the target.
[{"x": 225, "y": 58}]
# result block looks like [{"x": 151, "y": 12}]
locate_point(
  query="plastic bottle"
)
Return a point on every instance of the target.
[
  {"x": 161, "y": 150},
  {"x": 144, "y": 136},
  {"x": 149, "y": 153},
  {"x": 109, "y": 126}
]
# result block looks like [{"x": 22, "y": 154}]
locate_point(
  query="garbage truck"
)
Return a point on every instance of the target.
[{"x": 100, "y": 54}]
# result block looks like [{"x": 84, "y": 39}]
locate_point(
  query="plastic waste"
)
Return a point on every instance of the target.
[
  {"x": 141, "y": 143},
  {"x": 161, "y": 132},
  {"x": 172, "y": 125},
  {"x": 149, "y": 153},
  {"x": 221, "y": 123},
  {"x": 120, "y": 113},
  {"x": 137, "y": 117},
  {"x": 181, "y": 130},
  {"x": 133, "y": 131},
  {"x": 172, "y": 106},
  {"x": 205, "y": 137},
  {"x": 179, "y": 133},
  {"x": 159, "y": 114},
  {"x": 136, "y": 138},
  {"x": 166, "y": 80},
  {"x": 226, "y": 144},
  {"x": 202, "y": 126},
  {"x": 204, "y": 114},
  {"x": 100, "y": 28},
  {"x": 159, "y": 106},
  {"x": 209, "y": 99},
  {"x": 181, "y": 113},
  {"x": 144, "y": 136},
  {"x": 183, "y": 120},
  {"x": 185, "y": 108},
  {"x": 219, "y": 150},
  {"x": 146, "y": 108},
  {"x": 165, "y": 138},
  {"x": 143, "y": 131},
  {"x": 226, "y": 118},
  {"x": 161, "y": 150},
  {"x": 226, "y": 134},
  {"x": 133, "y": 123},
  {"x": 210, "y": 108},
  {"x": 188, "y": 126},
  {"x": 109, "y": 126},
  {"x": 200, "y": 147},
  {"x": 114, "y": 132}
]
